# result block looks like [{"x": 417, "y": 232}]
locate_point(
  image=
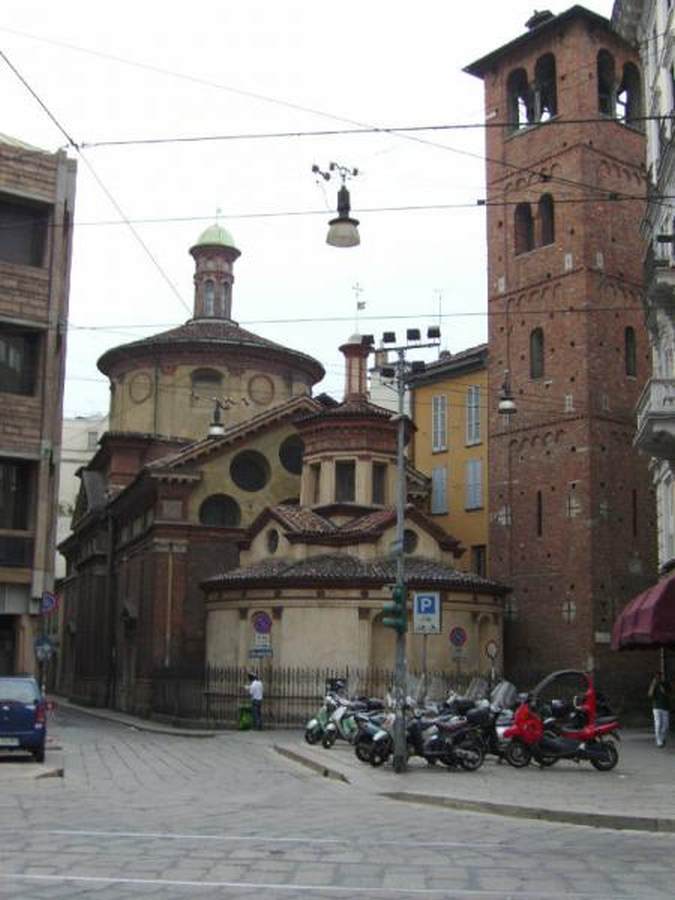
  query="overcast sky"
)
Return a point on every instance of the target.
[{"x": 144, "y": 70}]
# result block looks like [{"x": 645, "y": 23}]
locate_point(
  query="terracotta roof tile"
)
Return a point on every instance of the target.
[{"x": 342, "y": 569}]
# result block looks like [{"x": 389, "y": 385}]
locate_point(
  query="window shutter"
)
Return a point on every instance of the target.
[
  {"x": 439, "y": 490},
  {"x": 474, "y": 484},
  {"x": 439, "y": 423},
  {"x": 473, "y": 415}
]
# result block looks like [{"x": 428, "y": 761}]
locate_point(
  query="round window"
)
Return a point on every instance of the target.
[
  {"x": 272, "y": 540},
  {"x": 250, "y": 470},
  {"x": 410, "y": 541},
  {"x": 290, "y": 454},
  {"x": 221, "y": 511}
]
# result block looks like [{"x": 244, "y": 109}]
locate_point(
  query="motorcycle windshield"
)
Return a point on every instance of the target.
[{"x": 504, "y": 695}]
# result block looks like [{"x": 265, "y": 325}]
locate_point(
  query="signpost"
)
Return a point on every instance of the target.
[
  {"x": 262, "y": 644},
  {"x": 426, "y": 621},
  {"x": 458, "y": 638}
]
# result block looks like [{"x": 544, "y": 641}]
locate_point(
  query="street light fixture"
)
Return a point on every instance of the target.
[
  {"x": 343, "y": 231},
  {"x": 507, "y": 405}
]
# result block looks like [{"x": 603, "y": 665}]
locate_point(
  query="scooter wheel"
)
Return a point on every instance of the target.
[
  {"x": 472, "y": 756},
  {"x": 363, "y": 750},
  {"x": 328, "y": 739},
  {"x": 379, "y": 755},
  {"x": 518, "y": 754},
  {"x": 610, "y": 758},
  {"x": 312, "y": 737}
]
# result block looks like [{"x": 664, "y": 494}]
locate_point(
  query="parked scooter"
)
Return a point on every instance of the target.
[
  {"x": 343, "y": 723},
  {"x": 316, "y": 727},
  {"x": 448, "y": 739},
  {"x": 589, "y": 738}
]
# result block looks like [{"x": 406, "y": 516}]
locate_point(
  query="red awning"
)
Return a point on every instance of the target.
[{"x": 648, "y": 620}]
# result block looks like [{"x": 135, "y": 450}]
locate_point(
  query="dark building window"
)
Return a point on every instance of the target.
[
  {"x": 537, "y": 353},
  {"x": 209, "y": 298},
  {"x": 290, "y": 454},
  {"x": 206, "y": 385},
  {"x": 315, "y": 486},
  {"x": 519, "y": 100},
  {"x": 524, "y": 228},
  {"x": 546, "y": 220},
  {"x": 16, "y": 500},
  {"x": 540, "y": 514},
  {"x": 272, "y": 541},
  {"x": 546, "y": 96},
  {"x": 380, "y": 483},
  {"x": 220, "y": 511},
  {"x": 629, "y": 97},
  {"x": 479, "y": 559},
  {"x": 23, "y": 232},
  {"x": 630, "y": 351},
  {"x": 18, "y": 360},
  {"x": 345, "y": 481},
  {"x": 606, "y": 83},
  {"x": 250, "y": 470},
  {"x": 410, "y": 541}
]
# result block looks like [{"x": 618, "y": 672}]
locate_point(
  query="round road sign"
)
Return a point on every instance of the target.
[{"x": 457, "y": 636}]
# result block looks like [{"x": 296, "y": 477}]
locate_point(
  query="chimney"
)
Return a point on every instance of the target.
[{"x": 355, "y": 352}]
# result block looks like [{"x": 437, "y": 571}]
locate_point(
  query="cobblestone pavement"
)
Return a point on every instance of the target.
[{"x": 144, "y": 815}]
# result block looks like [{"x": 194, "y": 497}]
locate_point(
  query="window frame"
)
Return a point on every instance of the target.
[
  {"x": 473, "y": 424},
  {"x": 473, "y": 484},
  {"x": 439, "y": 491},
  {"x": 439, "y": 423}
]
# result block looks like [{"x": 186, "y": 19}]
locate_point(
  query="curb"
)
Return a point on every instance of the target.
[
  {"x": 614, "y": 822},
  {"x": 138, "y": 724},
  {"x": 311, "y": 764},
  {"x": 50, "y": 773},
  {"x": 567, "y": 817}
]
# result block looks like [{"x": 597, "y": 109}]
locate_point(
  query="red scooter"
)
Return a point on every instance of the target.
[{"x": 546, "y": 740}]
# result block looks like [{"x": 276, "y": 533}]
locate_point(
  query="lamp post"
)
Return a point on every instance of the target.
[
  {"x": 343, "y": 231},
  {"x": 399, "y": 606}
]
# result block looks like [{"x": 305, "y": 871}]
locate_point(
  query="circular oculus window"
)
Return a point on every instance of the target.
[
  {"x": 290, "y": 454},
  {"x": 250, "y": 471}
]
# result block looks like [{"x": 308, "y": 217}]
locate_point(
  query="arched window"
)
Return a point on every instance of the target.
[
  {"x": 523, "y": 228},
  {"x": 537, "y": 353},
  {"x": 519, "y": 100},
  {"x": 209, "y": 298},
  {"x": 629, "y": 97},
  {"x": 630, "y": 351},
  {"x": 546, "y": 95},
  {"x": 546, "y": 220},
  {"x": 220, "y": 511},
  {"x": 606, "y": 83}
]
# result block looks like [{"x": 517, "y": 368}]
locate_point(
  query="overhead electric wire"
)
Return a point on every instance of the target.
[
  {"x": 274, "y": 100},
  {"x": 96, "y": 177}
]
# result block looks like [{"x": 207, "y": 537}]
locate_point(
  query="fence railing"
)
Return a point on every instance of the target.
[{"x": 291, "y": 695}]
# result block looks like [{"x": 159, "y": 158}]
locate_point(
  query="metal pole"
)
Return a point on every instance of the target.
[{"x": 400, "y": 674}]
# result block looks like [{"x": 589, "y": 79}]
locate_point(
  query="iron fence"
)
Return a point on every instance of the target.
[{"x": 291, "y": 695}]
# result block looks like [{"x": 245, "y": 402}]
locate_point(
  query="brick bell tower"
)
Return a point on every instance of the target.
[{"x": 572, "y": 515}]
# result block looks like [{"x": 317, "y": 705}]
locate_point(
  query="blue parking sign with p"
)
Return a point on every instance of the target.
[{"x": 427, "y": 612}]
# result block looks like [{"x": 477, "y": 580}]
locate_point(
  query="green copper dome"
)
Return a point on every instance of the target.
[{"x": 215, "y": 234}]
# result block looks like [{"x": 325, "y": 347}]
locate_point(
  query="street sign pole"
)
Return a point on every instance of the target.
[{"x": 400, "y": 761}]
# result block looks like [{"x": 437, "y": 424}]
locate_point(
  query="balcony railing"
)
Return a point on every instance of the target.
[
  {"x": 16, "y": 550},
  {"x": 656, "y": 418}
]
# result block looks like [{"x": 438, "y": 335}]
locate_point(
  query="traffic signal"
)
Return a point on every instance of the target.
[{"x": 397, "y": 610}]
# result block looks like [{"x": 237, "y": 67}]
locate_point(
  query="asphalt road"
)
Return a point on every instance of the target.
[{"x": 143, "y": 815}]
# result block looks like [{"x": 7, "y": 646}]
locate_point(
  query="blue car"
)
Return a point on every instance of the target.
[{"x": 23, "y": 716}]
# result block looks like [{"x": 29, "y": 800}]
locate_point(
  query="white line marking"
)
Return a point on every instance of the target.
[
  {"x": 263, "y": 839},
  {"x": 256, "y": 885}
]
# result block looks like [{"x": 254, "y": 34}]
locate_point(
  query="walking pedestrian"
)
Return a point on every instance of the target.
[
  {"x": 659, "y": 692},
  {"x": 255, "y": 689}
]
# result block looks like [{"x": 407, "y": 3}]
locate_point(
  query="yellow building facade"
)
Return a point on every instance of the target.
[{"x": 448, "y": 407}]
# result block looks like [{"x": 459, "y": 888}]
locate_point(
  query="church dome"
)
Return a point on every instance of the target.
[{"x": 215, "y": 236}]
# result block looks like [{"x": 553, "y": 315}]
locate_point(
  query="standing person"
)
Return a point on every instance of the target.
[
  {"x": 255, "y": 689},
  {"x": 659, "y": 692}
]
